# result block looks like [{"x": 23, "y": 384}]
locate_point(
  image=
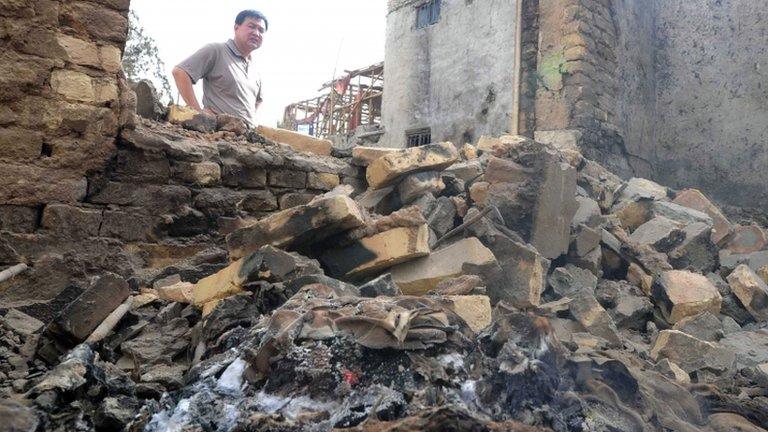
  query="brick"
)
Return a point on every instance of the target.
[
  {"x": 110, "y": 58},
  {"x": 373, "y": 254},
  {"x": 79, "y": 51},
  {"x": 156, "y": 198},
  {"x": 129, "y": 226},
  {"x": 20, "y": 144},
  {"x": 681, "y": 294},
  {"x": 288, "y": 178},
  {"x": 297, "y": 141},
  {"x": 73, "y": 85},
  {"x": 258, "y": 201},
  {"x": 751, "y": 291},
  {"x": 302, "y": 224},
  {"x": 199, "y": 174},
  {"x": 68, "y": 221},
  {"x": 322, "y": 181},
  {"x": 422, "y": 275},
  {"x": 294, "y": 199},
  {"x": 18, "y": 219},
  {"x": 234, "y": 174},
  {"x": 82, "y": 316},
  {"x": 389, "y": 168}
]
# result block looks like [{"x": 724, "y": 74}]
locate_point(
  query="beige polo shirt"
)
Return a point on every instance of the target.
[{"x": 231, "y": 83}]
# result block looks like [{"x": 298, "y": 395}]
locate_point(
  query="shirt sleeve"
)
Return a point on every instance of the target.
[
  {"x": 199, "y": 64},
  {"x": 259, "y": 97}
]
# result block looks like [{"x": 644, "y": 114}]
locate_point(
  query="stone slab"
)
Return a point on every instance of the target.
[
  {"x": 389, "y": 168},
  {"x": 297, "y": 141}
]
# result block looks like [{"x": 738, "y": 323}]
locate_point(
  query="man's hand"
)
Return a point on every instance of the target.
[{"x": 186, "y": 89}]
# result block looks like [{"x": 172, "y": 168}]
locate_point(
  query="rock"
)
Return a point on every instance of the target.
[
  {"x": 422, "y": 275},
  {"x": 475, "y": 310},
  {"x": 588, "y": 213},
  {"x": 297, "y": 141},
  {"x": 466, "y": 171},
  {"x": 381, "y": 286},
  {"x": 415, "y": 185},
  {"x": 691, "y": 354},
  {"x": 21, "y": 323},
  {"x": 660, "y": 233},
  {"x": 585, "y": 240},
  {"x": 696, "y": 253},
  {"x": 501, "y": 146},
  {"x": 82, "y": 316},
  {"x": 298, "y": 225},
  {"x": 679, "y": 213},
  {"x": 228, "y": 281},
  {"x": 640, "y": 188},
  {"x": 732, "y": 306},
  {"x": 478, "y": 192},
  {"x": 387, "y": 169},
  {"x": 201, "y": 122},
  {"x": 746, "y": 240},
  {"x": 704, "y": 326},
  {"x": 751, "y": 291},
  {"x": 763, "y": 273},
  {"x": 590, "y": 314},
  {"x": 501, "y": 170},
  {"x": 681, "y": 294},
  {"x": 375, "y": 253},
  {"x": 70, "y": 374},
  {"x": 468, "y": 152},
  {"x": 555, "y": 208},
  {"x": 343, "y": 288},
  {"x": 159, "y": 343},
  {"x": 626, "y": 305},
  {"x": 147, "y": 102},
  {"x": 442, "y": 217},
  {"x": 673, "y": 371},
  {"x": 639, "y": 278},
  {"x": 694, "y": 199},
  {"x": 230, "y": 123},
  {"x": 755, "y": 260},
  {"x": 569, "y": 280},
  {"x": 182, "y": 292},
  {"x": 633, "y": 214},
  {"x": 363, "y": 156},
  {"x": 281, "y": 266},
  {"x": 178, "y": 114},
  {"x": 17, "y": 417},
  {"x": 115, "y": 413},
  {"x": 462, "y": 285},
  {"x": 750, "y": 347},
  {"x": 730, "y": 422},
  {"x": 170, "y": 376},
  {"x": 523, "y": 276}
]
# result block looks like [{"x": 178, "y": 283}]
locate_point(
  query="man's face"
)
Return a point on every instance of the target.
[{"x": 250, "y": 33}]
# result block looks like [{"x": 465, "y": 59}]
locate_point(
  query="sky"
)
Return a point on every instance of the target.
[{"x": 300, "y": 49}]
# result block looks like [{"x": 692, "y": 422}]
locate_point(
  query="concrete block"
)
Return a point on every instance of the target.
[
  {"x": 387, "y": 169},
  {"x": 423, "y": 274},
  {"x": 694, "y": 199},
  {"x": 297, "y": 141},
  {"x": 372, "y": 254},
  {"x": 475, "y": 310},
  {"x": 751, "y": 291},
  {"x": 681, "y": 294},
  {"x": 303, "y": 224}
]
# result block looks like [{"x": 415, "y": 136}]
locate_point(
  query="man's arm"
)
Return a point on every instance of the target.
[{"x": 186, "y": 89}]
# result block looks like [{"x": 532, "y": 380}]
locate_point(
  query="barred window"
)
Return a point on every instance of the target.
[
  {"x": 418, "y": 137},
  {"x": 428, "y": 14}
]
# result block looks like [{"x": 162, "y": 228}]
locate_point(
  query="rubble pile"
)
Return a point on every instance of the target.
[{"x": 510, "y": 285}]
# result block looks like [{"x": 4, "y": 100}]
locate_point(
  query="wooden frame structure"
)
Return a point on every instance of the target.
[{"x": 344, "y": 104}]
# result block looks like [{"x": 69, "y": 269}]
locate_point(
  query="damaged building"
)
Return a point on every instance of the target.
[{"x": 165, "y": 270}]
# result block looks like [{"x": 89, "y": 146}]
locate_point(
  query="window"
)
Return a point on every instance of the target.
[
  {"x": 428, "y": 14},
  {"x": 418, "y": 137}
]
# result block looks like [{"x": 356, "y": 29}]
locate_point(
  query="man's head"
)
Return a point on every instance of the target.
[{"x": 250, "y": 26}]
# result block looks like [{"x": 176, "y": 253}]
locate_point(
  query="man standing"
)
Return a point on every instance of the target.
[{"x": 231, "y": 83}]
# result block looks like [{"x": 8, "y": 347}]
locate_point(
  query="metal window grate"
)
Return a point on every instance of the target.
[
  {"x": 419, "y": 137},
  {"x": 428, "y": 14}
]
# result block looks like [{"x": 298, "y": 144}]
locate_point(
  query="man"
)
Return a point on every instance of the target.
[{"x": 231, "y": 83}]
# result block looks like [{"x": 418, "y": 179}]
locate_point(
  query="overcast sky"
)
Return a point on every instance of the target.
[{"x": 299, "y": 51}]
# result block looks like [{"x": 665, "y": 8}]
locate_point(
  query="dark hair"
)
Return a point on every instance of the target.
[{"x": 250, "y": 13}]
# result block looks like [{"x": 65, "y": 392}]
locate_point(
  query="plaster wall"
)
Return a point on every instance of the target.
[{"x": 455, "y": 76}]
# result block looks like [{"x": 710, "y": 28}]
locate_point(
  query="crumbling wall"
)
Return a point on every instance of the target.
[{"x": 453, "y": 76}]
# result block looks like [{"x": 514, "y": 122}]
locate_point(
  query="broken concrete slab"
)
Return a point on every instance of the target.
[
  {"x": 82, "y": 316},
  {"x": 422, "y": 275},
  {"x": 389, "y": 168},
  {"x": 363, "y": 156},
  {"x": 660, "y": 233},
  {"x": 303, "y": 224},
  {"x": 475, "y": 310},
  {"x": 691, "y": 354},
  {"x": 372, "y": 254},
  {"x": 681, "y": 294},
  {"x": 694, "y": 199},
  {"x": 297, "y": 141},
  {"x": 746, "y": 240},
  {"x": 555, "y": 208},
  {"x": 418, "y": 184},
  {"x": 750, "y": 290}
]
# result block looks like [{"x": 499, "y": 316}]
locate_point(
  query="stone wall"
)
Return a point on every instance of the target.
[{"x": 454, "y": 76}]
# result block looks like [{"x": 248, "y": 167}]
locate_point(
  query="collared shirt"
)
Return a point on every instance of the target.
[{"x": 231, "y": 83}]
